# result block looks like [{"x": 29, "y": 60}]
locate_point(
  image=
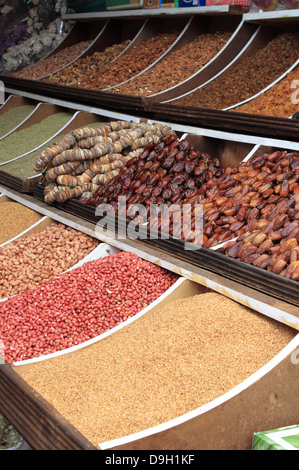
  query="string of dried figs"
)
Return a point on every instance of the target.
[{"x": 87, "y": 158}]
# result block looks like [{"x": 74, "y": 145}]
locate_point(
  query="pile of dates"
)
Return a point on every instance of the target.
[
  {"x": 169, "y": 172},
  {"x": 252, "y": 208}
]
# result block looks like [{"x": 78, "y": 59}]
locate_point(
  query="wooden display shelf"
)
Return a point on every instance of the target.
[
  {"x": 247, "y": 35},
  {"x": 149, "y": 12},
  {"x": 273, "y": 390},
  {"x": 278, "y": 309},
  {"x": 43, "y": 427},
  {"x": 241, "y": 34},
  {"x": 276, "y": 17},
  {"x": 34, "y": 418}
]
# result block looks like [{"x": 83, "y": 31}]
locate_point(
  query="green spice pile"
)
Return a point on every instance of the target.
[
  {"x": 25, "y": 140},
  {"x": 24, "y": 167},
  {"x": 12, "y": 118}
]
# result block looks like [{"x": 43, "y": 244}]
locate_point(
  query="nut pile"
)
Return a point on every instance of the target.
[
  {"x": 138, "y": 58},
  {"x": 53, "y": 63},
  {"x": 79, "y": 305},
  {"x": 87, "y": 158},
  {"x": 281, "y": 100},
  {"x": 251, "y": 74},
  {"x": 177, "y": 66},
  {"x": 88, "y": 67},
  {"x": 27, "y": 262}
]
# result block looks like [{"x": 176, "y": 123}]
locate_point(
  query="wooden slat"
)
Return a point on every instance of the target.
[
  {"x": 34, "y": 418},
  {"x": 243, "y": 273}
]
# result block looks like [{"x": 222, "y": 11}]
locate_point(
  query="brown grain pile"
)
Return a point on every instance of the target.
[
  {"x": 163, "y": 365},
  {"x": 87, "y": 68},
  {"x": 281, "y": 100},
  {"x": 15, "y": 218}
]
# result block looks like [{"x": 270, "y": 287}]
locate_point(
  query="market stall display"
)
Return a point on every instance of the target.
[
  {"x": 14, "y": 117},
  {"x": 54, "y": 62},
  {"x": 167, "y": 363},
  {"x": 235, "y": 199},
  {"x": 280, "y": 100},
  {"x": 138, "y": 58},
  {"x": 184, "y": 336},
  {"x": 19, "y": 173},
  {"x": 87, "y": 158},
  {"x": 255, "y": 70},
  {"x": 188, "y": 59},
  {"x": 26, "y": 140},
  {"x": 88, "y": 67}
]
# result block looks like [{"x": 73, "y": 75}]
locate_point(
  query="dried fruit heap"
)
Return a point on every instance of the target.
[
  {"x": 259, "y": 195},
  {"x": 89, "y": 157}
]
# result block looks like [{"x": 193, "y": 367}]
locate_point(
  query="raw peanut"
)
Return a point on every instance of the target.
[
  {"x": 37, "y": 257},
  {"x": 92, "y": 299}
]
